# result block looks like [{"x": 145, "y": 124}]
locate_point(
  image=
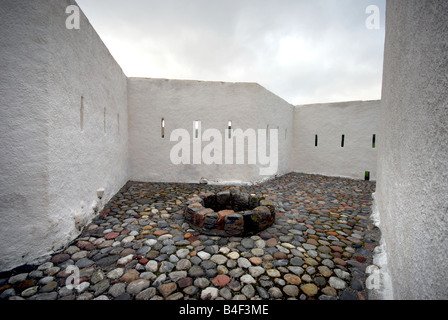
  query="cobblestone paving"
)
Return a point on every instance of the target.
[{"x": 141, "y": 248}]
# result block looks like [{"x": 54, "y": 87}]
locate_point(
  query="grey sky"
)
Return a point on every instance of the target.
[{"x": 304, "y": 51}]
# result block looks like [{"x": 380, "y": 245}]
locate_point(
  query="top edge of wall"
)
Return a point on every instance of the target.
[
  {"x": 192, "y": 80},
  {"x": 336, "y": 104}
]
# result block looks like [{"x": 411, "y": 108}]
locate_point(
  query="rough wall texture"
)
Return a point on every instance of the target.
[
  {"x": 24, "y": 130},
  {"x": 412, "y": 179},
  {"x": 180, "y": 103},
  {"x": 357, "y": 120},
  {"x": 62, "y": 97}
]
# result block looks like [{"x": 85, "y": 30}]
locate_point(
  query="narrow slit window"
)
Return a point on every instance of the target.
[
  {"x": 81, "y": 114},
  {"x": 118, "y": 123},
  {"x": 196, "y": 129},
  {"x": 104, "y": 120},
  {"x": 373, "y": 140},
  {"x": 162, "y": 125},
  {"x": 367, "y": 175},
  {"x": 315, "y": 140},
  {"x": 229, "y": 126},
  {"x": 343, "y": 140}
]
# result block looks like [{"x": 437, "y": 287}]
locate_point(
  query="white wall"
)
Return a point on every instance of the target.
[
  {"x": 51, "y": 168},
  {"x": 180, "y": 103},
  {"x": 24, "y": 130},
  {"x": 356, "y": 120},
  {"x": 412, "y": 184}
]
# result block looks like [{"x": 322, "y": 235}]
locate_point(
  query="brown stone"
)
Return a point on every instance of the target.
[
  {"x": 325, "y": 271},
  {"x": 199, "y": 216},
  {"x": 28, "y": 283},
  {"x": 185, "y": 282},
  {"x": 313, "y": 242},
  {"x": 167, "y": 289},
  {"x": 309, "y": 289},
  {"x": 336, "y": 248},
  {"x": 329, "y": 291},
  {"x": 292, "y": 279},
  {"x": 280, "y": 255},
  {"x": 111, "y": 235},
  {"x": 221, "y": 280},
  {"x": 60, "y": 258},
  {"x": 130, "y": 276},
  {"x": 160, "y": 232},
  {"x": 339, "y": 261},
  {"x": 256, "y": 261},
  {"x": 223, "y": 214},
  {"x": 271, "y": 242}
]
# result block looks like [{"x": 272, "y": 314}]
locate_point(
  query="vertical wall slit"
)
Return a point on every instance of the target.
[
  {"x": 104, "y": 120},
  {"x": 229, "y": 126},
  {"x": 342, "y": 140},
  {"x": 118, "y": 123},
  {"x": 315, "y": 140},
  {"x": 373, "y": 140},
  {"x": 196, "y": 129},
  {"x": 81, "y": 114},
  {"x": 367, "y": 175},
  {"x": 162, "y": 127}
]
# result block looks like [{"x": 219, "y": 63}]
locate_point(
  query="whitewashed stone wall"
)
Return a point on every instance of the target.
[
  {"x": 412, "y": 184},
  {"x": 182, "y": 102},
  {"x": 74, "y": 129},
  {"x": 357, "y": 120},
  {"x": 63, "y": 128}
]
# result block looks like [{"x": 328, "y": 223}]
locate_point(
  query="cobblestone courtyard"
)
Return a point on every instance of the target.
[{"x": 141, "y": 248}]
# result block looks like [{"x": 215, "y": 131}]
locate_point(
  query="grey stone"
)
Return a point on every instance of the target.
[
  {"x": 45, "y": 296},
  {"x": 337, "y": 283},
  {"x": 137, "y": 286},
  {"x": 190, "y": 290},
  {"x": 117, "y": 289},
  {"x": 201, "y": 282},
  {"x": 177, "y": 275},
  {"x": 244, "y": 263},
  {"x": 262, "y": 292},
  {"x": 248, "y": 290},
  {"x": 209, "y": 293},
  {"x": 247, "y": 243},
  {"x": 146, "y": 294},
  {"x": 100, "y": 287},
  {"x": 225, "y": 293},
  {"x": 291, "y": 290},
  {"x": 166, "y": 266},
  {"x": 275, "y": 293},
  {"x": 183, "y": 264},
  {"x": 17, "y": 278}
]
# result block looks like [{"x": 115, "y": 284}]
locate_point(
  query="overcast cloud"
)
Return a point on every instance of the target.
[{"x": 304, "y": 51}]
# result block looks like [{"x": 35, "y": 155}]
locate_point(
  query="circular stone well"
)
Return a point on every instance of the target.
[{"x": 229, "y": 213}]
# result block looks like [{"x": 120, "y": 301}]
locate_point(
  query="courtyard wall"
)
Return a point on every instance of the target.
[
  {"x": 412, "y": 180},
  {"x": 182, "y": 102},
  {"x": 63, "y": 126},
  {"x": 337, "y": 139},
  {"x": 74, "y": 129}
]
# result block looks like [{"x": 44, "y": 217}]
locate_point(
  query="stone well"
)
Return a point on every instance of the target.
[{"x": 229, "y": 213}]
